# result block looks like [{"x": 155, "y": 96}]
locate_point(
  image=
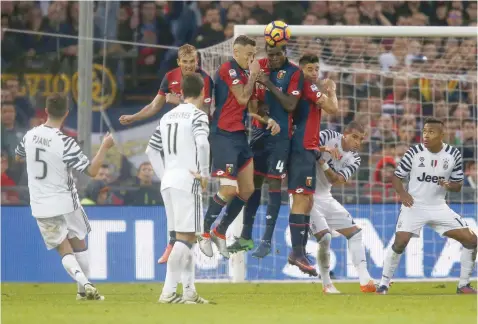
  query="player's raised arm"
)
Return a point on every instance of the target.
[{"x": 328, "y": 102}]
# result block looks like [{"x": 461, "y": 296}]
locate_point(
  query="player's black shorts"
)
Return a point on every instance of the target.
[
  {"x": 302, "y": 171},
  {"x": 230, "y": 153},
  {"x": 271, "y": 155}
]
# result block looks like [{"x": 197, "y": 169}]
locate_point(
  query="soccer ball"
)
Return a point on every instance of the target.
[{"x": 277, "y": 33}]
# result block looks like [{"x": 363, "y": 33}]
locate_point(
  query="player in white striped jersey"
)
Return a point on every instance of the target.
[
  {"x": 50, "y": 157},
  {"x": 179, "y": 153},
  {"x": 433, "y": 169},
  {"x": 337, "y": 163}
]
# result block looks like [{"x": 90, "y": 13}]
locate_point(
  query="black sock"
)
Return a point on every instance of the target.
[
  {"x": 306, "y": 233},
  {"x": 232, "y": 210},
  {"x": 272, "y": 213},
  {"x": 215, "y": 207},
  {"x": 250, "y": 214},
  {"x": 172, "y": 237},
  {"x": 297, "y": 228}
]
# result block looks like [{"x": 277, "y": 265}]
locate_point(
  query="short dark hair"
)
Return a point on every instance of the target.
[
  {"x": 105, "y": 166},
  {"x": 354, "y": 125},
  {"x": 56, "y": 105},
  {"x": 308, "y": 58},
  {"x": 432, "y": 120},
  {"x": 192, "y": 85},
  {"x": 283, "y": 47},
  {"x": 244, "y": 41}
]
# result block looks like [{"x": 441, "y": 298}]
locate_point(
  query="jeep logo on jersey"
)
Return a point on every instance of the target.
[
  {"x": 428, "y": 178},
  {"x": 281, "y": 74}
]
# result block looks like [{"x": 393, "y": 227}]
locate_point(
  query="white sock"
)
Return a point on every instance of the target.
[
  {"x": 357, "y": 251},
  {"x": 84, "y": 262},
  {"x": 175, "y": 267},
  {"x": 467, "y": 259},
  {"x": 323, "y": 258},
  {"x": 74, "y": 270},
  {"x": 187, "y": 277},
  {"x": 391, "y": 262}
]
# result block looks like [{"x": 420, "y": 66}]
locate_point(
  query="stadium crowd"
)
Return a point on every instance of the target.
[{"x": 386, "y": 84}]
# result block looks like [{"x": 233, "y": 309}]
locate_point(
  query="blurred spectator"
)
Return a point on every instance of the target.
[
  {"x": 9, "y": 197},
  {"x": 454, "y": 18},
  {"x": 471, "y": 177},
  {"x": 38, "y": 44},
  {"x": 104, "y": 174},
  {"x": 212, "y": 31},
  {"x": 381, "y": 190},
  {"x": 147, "y": 192},
  {"x": 24, "y": 109},
  {"x": 11, "y": 133},
  {"x": 11, "y": 48},
  {"x": 96, "y": 193},
  {"x": 235, "y": 12},
  {"x": 385, "y": 130}
]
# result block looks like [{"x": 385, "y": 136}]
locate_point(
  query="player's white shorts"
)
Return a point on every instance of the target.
[
  {"x": 444, "y": 219},
  {"x": 55, "y": 230},
  {"x": 184, "y": 210},
  {"x": 328, "y": 213}
]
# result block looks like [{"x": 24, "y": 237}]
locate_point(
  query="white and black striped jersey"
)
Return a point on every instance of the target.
[
  {"x": 176, "y": 138},
  {"x": 50, "y": 157},
  {"x": 425, "y": 169},
  {"x": 346, "y": 166}
]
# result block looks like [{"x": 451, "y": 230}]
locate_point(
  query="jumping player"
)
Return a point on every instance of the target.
[
  {"x": 232, "y": 156},
  {"x": 328, "y": 214},
  {"x": 302, "y": 159},
  {"x": 433, "y": 168},
  {"x": 283, "y": 83},
  {"x": 170, "y": 92}
]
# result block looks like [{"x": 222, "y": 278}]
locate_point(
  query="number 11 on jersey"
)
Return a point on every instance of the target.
[{"x": 174, "y": 137}]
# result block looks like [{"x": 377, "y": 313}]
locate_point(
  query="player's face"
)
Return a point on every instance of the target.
[
  {"x": 188, "y": 63},
  {"x": 432, "y": 135},
  {"x": 276, "y": 56},
  {"x": 354, "y": 140},
  {"x": 244, "y": 55},
  {"x": 311, "y": 71}
]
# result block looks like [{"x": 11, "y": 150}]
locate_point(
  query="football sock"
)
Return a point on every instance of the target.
[
  {"x": 250, "y": 211},
  {"x": 468, "y": 260},
  {"x": 83, "y": 260},
  {"x": 216, "y": 204},
  {"x": 297, "y": 228},
  {"x": 73, "y": 268},
  {"x": 175, "y": 266},
  {"x": 306, "y": 232},
  {"x": 323, "y": 258},
  {"x": 172, "y": 237},
  {"x": 357, "y": 251},
  {"x": 272, "y": 214},
  {"x": 392, "y": 259},
  {"x": 187, "y": 277},
  {"x": 232, "y": 210}
]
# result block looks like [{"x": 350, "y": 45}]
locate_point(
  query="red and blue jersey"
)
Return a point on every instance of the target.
[
  {"x": 307, "y": 118},
  {"x": 172, "y": 84},
  {"x": 229, "y": 115},
  {"x": 289, "y": 79}
]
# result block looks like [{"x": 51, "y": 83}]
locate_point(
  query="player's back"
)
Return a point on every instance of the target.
[
  {"x": 49, "y": 155},
  {"x": 179, "y": 128}
]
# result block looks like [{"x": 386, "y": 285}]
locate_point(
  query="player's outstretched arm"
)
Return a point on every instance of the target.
[
  {"x": 328, "y": 102},
  {"x": 148, "y": 111},
  {"x": 287, "y": 101},
  {"x": 97, "y": 161},
  {"x": 333, "y": 177}
]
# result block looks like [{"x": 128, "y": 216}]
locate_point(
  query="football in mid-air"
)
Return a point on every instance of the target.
[{"x": 277, "y": 33}]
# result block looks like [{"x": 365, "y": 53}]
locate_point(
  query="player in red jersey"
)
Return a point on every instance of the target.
[
  {"x": 170, "y": 92},
  {"x": 302, "y": 159}
]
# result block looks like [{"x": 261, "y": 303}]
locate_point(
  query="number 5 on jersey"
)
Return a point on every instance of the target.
[{"x": 39, "y": 160}]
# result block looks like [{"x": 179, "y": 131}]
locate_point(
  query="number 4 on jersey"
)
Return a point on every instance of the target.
[{"x": 280, "y": 166}]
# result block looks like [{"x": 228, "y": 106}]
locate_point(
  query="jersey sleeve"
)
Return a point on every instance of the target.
[
  {"x": 20, "y": 150},
  {"x": 155, "y": 141},
  {"x": 73, "y": 156},
  {"x": 200, "y": 124},
  {"x": 311, "y": 93},
  {"x": 296, "y": 84},
  {"x": 164, "y": 87},
  {"x": 351, "y": 168},
  {"x": 405, "y": 166},
  {"x": 208, "y": 86},
  {"x": 457, "y": 172},
  {"x": 327, "y": 135},
  {"x": 231, "y": 76}
]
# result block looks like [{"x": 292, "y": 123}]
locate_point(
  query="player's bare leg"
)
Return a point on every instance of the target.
[
  {"x": 245, "y": 242},
  {"x": 298, "y": 223},
  {"x": 357, "y": 251},
  {"x": 245, "y": 181},
  {"x": 180, "y": 268},
  {"x": 468, "y": 257},
  {"x": 392, "y": 259},
  {"x": 74, "y": 269},
  {"x": 167, "y": 251},
  {"x": 323, "y": 259}
]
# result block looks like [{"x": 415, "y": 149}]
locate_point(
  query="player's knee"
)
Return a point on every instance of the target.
[
  {"x": 274, "y": 184},
  {"x": 246, "y": 191},
  {"x": 301, "y": 204},
  {"x": 227, "y": 190},
  {"x": 325, "y": 239},
  {"x": 470, "y": 241},
  {"x": 399, "y": 246}
]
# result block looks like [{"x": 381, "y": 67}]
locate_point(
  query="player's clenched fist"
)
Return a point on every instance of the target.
[
  {"x": 254, "y": 67},
  {"x": 273, "y": 126},
  {"x": 329, "y": 85},
  {"x": 127, "y": 119},
  {"x": 334, "y": 152},
  {"x": 173, "y": 99},
  {"x": 407, "y": 199},
  {"x": 108, "y": 141}
]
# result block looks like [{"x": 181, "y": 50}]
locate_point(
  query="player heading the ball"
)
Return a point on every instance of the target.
[
  {"x": 50, "y": 156},
  {"x": 433, "y": 168}
]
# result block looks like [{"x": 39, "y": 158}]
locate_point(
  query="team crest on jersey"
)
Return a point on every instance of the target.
[
  {"x": 281, "y": 74},
  {"x": 434, "y": 163},
  {"x": 229, "y": 168},
  {"x": 83, "y": 158},
  {"x": 308, "y": 181},
  {"x": 232, "y": 73},
  {"x": 421, "y": 165},
  {"x": 445, "y": 164},
  {"x": 314, "y": 88}
]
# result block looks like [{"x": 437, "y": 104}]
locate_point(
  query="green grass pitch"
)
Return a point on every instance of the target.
[{"x": 408, "y": 303}]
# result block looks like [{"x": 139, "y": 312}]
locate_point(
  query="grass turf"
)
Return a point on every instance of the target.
[{"x": 408, "y": 303}]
